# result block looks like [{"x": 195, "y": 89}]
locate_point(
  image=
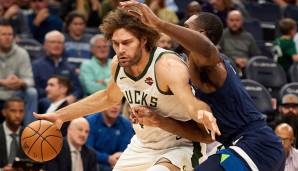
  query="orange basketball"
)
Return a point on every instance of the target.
[{"x": 41, "y": 140}]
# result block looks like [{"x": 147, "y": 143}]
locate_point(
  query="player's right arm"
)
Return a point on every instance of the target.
[{"x": 96, "y": 102}]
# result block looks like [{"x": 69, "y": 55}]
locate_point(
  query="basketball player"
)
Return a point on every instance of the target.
[
  {"x": 141, "y": 73},
  {"x": 250, "y": 143}
]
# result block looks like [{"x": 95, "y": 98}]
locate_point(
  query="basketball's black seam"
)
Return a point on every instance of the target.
[
  {"x": 29, "y": 136},
  {"x": 44, "y": 139},
  {"x": 49, "y": 143},
  {"x": 40, "y": 135},
  {"x": 41, "y": 151},
  {"x": 34, "y": 131}
]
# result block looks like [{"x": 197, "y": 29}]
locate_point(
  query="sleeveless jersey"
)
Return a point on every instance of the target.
[
  {"x": 242, "y": 125},
  {"x": 144, "y": 91}
]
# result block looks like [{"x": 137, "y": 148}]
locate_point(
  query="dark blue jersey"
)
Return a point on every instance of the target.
[
  {"x": 232, "y": 107},
  {"x": 241, "y": 124}
]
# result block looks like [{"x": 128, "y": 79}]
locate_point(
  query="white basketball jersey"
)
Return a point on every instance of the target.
[{"x": 144, "y": 91}]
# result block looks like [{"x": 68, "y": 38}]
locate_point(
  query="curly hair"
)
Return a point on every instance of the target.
[{"x": 121, "y": 19}]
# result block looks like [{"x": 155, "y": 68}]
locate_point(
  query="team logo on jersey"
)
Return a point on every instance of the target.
[{"x": 149, "y": 81}]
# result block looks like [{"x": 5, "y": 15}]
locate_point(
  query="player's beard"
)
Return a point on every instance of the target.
[
  {"x": 138, "y": 56},
  {"x": 136, "y": 59}
]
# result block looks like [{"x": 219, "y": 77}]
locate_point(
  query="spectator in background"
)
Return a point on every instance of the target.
[
  {"x": 10, "y": 132},
  {"x": 58, "y": 88},
  {"x": 192, "y": 8},
  {"x": 221, "y": 8},
  {"x": 165, "y": 42},
  {"x": 16, "y": 78},
  {"x": 285, "y": 49},
  {"x": 286, "y": 134},
  {"x": 74, "y": 155},
  {"x": 95, "y": 73},
  {"x": 55, "y": 64},
  {"x": 110, "y": 133},
  {"x": 10, "y": 10},
  {"x": 283, "y": 4},
  {"x": 237, "y": 43},
  {"x": 91, "y": 10},
  {"x": 41, "y": 21},
  {"x": 77, "y": 48},
  {"x": 288, "y": 112},
  {"x": 159, "y": 8},
  {"x": 24, "y": 4}
]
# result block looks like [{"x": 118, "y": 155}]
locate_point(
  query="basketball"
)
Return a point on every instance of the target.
[{"x": 41, "y": 140}]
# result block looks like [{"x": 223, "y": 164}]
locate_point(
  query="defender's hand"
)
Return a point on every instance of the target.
[{"x": 141, "y": 11}]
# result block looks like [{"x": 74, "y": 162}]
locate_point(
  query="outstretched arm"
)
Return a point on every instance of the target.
[
  {"x": 96, "y": 102},
  {"x": 199, "y": 45}
]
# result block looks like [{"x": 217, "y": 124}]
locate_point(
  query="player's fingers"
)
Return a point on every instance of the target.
[
  {"x": 135, "y": 13},
  {"x": 128, "y": 3},
  {"x": 41, "y": 116},
  {"x": 213, "y": 124},
  {"x": 37, "y": 116},
  {"x": 58, "y": 123},
  {"x": 212, "y": 135},
  {"x": 215, "y": 127},
  {"x": 200, "y": 118},
  {"x": 200, "y": 114},
  {"x": 142, "y": 111}
]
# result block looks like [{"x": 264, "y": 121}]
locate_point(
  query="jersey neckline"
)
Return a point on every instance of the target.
[{"x": 137, "y": 78}]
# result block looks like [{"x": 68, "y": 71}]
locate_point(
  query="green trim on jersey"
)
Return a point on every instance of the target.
[
  {"x": 162, "y": 92},
  {"x": 196, "y": 154},
  {"x": 224, "y": 157},
  {"x": 145, "y": 70},
  {"x": 117, "y": 72}
]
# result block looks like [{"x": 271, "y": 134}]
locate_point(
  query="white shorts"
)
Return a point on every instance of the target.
[{"x": 139, "y": 158}]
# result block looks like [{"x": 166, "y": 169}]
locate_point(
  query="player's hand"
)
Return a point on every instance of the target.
[
  {"x": 52, "y": 117},
  {"x": 208, "y": 120},
  {"x": 141, "y": 11},
  {"x": 147, "y": 117},
  {"x": 114, "y": 158}
]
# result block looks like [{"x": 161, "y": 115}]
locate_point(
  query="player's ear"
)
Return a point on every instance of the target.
[{"x": 143, "y": 41}]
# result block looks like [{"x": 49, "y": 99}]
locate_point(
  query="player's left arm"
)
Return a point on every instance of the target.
[
  {"x": 178, "y": 83},
  {"x": 186, "y": 129}
]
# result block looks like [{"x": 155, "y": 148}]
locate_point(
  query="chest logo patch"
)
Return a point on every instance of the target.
[{"x": 149, "y": 81}]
